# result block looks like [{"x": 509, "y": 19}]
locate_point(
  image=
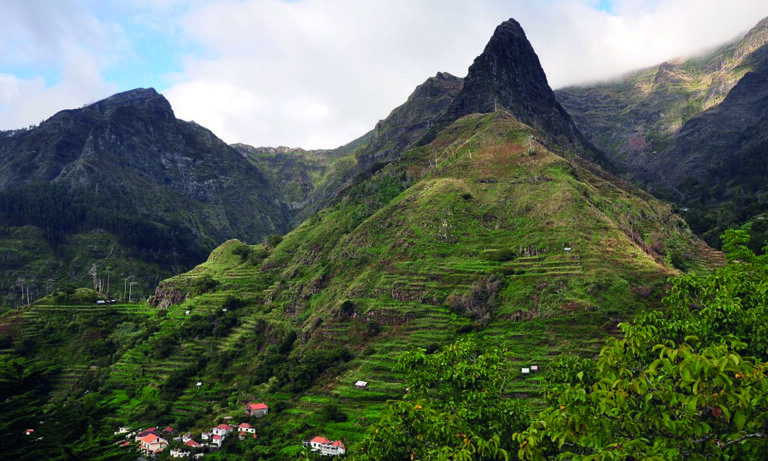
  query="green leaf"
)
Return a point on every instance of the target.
[{"x": 740, "y": 418}]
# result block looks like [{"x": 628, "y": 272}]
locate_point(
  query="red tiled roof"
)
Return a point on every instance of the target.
[
  {"x": 149, "y": 438},
  {"x": 258, "y": 406},
  {"x": 192, "y": 443},
  {"x": 168, "y": 429},
  {"x": 225, "y": 427},
  {"x": 319, "y": 439},
  {"x": 245, "y": 426}
]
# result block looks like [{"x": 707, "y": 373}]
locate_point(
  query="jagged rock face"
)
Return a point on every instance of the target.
[
  {"x": 506, "y": 75},
  {"x": 727, "y": 144},
  {"x": 640, "y": 113},
  {"x": 509, "y": 76},
  {"x": 409, "y": 122}
]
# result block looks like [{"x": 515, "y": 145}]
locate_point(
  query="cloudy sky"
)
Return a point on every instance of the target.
[{"x": 319, "y": 73}]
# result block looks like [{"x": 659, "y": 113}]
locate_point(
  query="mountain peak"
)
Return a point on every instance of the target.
[
  {"x": 508, "y": 76},
  {"x": 505, "y": 74},
  {"x": 144, "y": 99},
  {"x": 760, "y": 28}
]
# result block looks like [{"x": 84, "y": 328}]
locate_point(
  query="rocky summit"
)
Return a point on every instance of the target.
[{"x": 508, "y": 76}]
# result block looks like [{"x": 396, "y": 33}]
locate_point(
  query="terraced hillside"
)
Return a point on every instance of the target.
[
  {"x": 483, "y": 232},
  {"x": 479, "y": 225}
]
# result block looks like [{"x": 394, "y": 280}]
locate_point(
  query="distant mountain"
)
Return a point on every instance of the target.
[
  {"x": 717, "y": 164},
  {"x": 637, "y": 114},
  {"x": 122, "y": 183},
  {"x": 305, "y": 180},
  {"x": 692, "y": 131}
]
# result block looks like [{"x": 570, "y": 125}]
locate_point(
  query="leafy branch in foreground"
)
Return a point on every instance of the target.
[
  {"x": 686, "y": 383},
  {"x": 456, "y": 408}
]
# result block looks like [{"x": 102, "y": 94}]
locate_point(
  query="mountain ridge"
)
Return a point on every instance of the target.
[
  {"x": 125, "y": 165},
  {"x": 491, "y": 230},
  {"x": 690, "y": 131}
]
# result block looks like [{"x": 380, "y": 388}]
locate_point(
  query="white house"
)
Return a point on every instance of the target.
[
  {"x": 153, "y": 444},
  {"x": 179, "y": 453},
  {"x": 245, "y": 427},
  {"x": 222, "y": 430},
  {"x": 217, "y": 440},
  {"x": 326, "y": 447}
]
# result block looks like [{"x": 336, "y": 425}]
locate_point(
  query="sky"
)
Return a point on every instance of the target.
[{"x": 320, "y": 73}]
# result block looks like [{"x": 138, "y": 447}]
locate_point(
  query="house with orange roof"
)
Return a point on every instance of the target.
[
  {"x": 257, "y": 409},
  {"x": 247, "y": 428},
  {"x": 153, "y": 444},
  {"x": 191, "y": 443},
  {"x": 222, "y": 429},
  {"x": 325, "y": 446},
  {"x": 217, "y": 440}
]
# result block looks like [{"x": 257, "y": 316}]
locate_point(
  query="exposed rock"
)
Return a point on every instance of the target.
[
  {"x": 508, "y": 76},
  {"x": 409, "y": 122}
]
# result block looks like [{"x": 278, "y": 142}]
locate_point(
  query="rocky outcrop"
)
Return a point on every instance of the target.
[
  {"x": 406, "y": 124},
  {"x": 508, "y": 76}
]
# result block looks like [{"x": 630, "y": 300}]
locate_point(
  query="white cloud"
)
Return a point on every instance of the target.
[
  {"x": 639, "y": 34},
  {"x": 67, "y": 46},
  {"x": 340, "y": 66},
  {"x": 318, "y": 73}
]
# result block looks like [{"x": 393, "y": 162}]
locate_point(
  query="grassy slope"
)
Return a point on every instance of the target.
[
  {"x": 464, "y": 236},
  {"x": 406, "y": 260}
]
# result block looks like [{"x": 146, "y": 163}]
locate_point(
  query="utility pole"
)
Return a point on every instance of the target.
[{"x": 130, "y": 290}]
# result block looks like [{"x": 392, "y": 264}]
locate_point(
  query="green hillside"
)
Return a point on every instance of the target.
[{"x": 484, "y": 233}]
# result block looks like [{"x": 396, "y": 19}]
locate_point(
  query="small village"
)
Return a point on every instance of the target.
[{"x": 153, "y": 441}]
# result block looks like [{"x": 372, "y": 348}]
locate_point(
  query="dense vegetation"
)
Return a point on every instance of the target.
[
  {"x": 61, "y": 211},
  {"x": 687, "y": 382},
  {"x": 469, "y": 237},
  {"x": 684, "y": 382}
]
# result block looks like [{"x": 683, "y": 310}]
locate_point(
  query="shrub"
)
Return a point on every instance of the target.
[
  {"x": 273, "y": 240},
  {"x": 332, "y": 412}
]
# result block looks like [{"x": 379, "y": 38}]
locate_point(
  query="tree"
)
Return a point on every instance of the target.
[
  {"x": 688, "y": 382},
  {"x": 735, "y": 243},
  {"x": 455, "y": 408}
]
